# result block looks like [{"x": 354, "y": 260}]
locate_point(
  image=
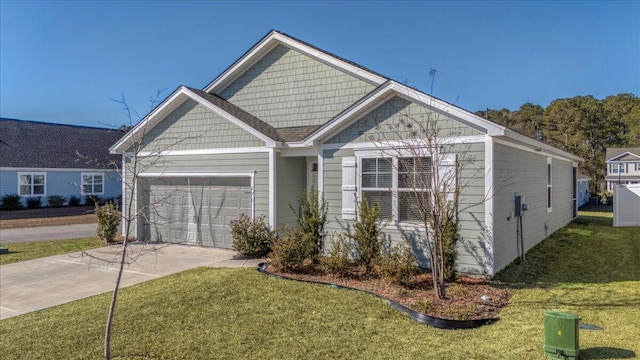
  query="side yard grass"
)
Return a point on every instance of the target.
[
  {"x": 39, "y": 249},
  {"x": 588, "y": 268}
]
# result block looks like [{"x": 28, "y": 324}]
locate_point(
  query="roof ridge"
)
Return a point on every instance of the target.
[{"x": 56, "y": 124}]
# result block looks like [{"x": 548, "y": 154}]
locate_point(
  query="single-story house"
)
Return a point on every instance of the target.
[
  {"x": 623, "y": 166},
  {"x": 288, "y": 116},
  {"x": 39, "y": 159},
  {"x": 583, "y": 189}
]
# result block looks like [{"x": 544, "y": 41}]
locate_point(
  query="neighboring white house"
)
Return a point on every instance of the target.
[
  {"x": 623, "y": 166},
  {"x": 40, "y": 159},
  {"x": 288, "y": 116}
]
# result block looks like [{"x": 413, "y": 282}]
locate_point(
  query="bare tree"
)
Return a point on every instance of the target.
[
  {"x": 139, "y": 157},
  {"x": 425, "y": 151}
]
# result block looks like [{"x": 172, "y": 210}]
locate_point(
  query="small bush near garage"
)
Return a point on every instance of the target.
[
  {"x": 11, "y": 202},
  {"x": 55, "y": 201},
  {"x": 251, "y": 237},
  {"x": 368, "y": 235},
  {"x": 108, "y": 221},
  {"x": 312, "y": 217},
  {"x": 34, "y": 202},
  {"x": 74, "y": 200},
  {"x": 294, "y": 250},
  {"x": 338, "y": 259}
]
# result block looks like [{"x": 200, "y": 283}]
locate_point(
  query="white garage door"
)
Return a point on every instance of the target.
[{"x": 196, "y": 211}]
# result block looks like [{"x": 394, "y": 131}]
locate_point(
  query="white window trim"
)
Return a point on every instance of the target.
[
  {"x": 93, "y": 175},
  {"x": 616, "y": 167},
  {"x": 393, "y": 154},
  {"x": 549, "y": 183},
  {"x": 33, "y": 174}
]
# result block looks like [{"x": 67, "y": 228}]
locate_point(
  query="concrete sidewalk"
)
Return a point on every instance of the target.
[
  {"x": 42, "y": 233},
  {"x": 38, "y": 284}
]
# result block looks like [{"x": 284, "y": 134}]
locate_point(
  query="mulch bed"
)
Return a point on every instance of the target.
[
  {"x": 468, "y": 298},
  {"x": 47, "y": 212}
]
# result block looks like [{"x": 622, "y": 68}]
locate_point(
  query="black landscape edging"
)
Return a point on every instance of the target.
[{"x": 437, "y": 322}]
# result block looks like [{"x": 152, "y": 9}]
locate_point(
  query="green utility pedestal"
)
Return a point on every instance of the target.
[{"x": 561, "y": 335}]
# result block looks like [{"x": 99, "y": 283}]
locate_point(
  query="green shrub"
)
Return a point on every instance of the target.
[
  {"x": 251, "y": 237},
  {"x": 338, "y": 259},
  {"x": 293, "y": 250},
  {"x": 93, "y": 200},
  {"x": 74, "y": 200},
  {"x": 34, "y": 202},
  {"x": 11, "y": 202},
  {"x": 108, "y": 221},
  {"x": 450, "y": 239},
  {"x": 55, "y": 200},
  {"x": 312, "y": 219},
  {"x": 398, "y": 265},
  {"x": 368, "y": 235}
]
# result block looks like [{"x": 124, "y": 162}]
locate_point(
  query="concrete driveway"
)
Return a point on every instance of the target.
[
  {"x": 38, "y": 284},
  {"x": 42, "y": 233}
]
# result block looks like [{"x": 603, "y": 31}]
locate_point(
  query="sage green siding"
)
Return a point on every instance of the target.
[
  {"x": 192, "y": 126},
  {"x": 290, "y": 182},
  {"x": 287, "y": 88},
  {"x": 223, "y": 163},
  {"x": 474, "y": 255},
  {"x": 398, "y": 119},
  {"x": 524, "y": 173}
]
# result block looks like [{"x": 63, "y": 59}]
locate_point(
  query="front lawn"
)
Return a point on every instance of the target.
[
  {"x": 39, "y": 249},
  {"x": 589, "y": 269}
]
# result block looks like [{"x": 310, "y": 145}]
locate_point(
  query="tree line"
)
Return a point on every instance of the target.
[{"x": 582, "y": 125}]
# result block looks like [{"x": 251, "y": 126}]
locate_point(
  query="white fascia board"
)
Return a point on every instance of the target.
[
  {"x": 391, "y": 89},
  {"x": 271, "y": 41},
  {"x": 169, "y": 104},
  {"x": 513, "y": 139},
  {"x": 298, "y": 151},
  {"x": 268, "y": 141}
]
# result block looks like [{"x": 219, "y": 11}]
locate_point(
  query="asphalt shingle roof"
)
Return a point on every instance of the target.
[
  {"x": 33, "y": 144},
  {"x": 296, "y": 133},
  {"x": 613, "y": 152}
]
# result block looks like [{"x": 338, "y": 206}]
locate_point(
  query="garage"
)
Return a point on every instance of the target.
[{"x": 196, "y": 210}]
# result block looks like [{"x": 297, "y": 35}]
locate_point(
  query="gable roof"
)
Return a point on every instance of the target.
[
  {"x": 613, "y": 153},
  {"x": 33, "y": 144},
  {"x": 309, "y": 135},
  {"x": 274, "y": 38},
  {"x": 218, "y": 105}
]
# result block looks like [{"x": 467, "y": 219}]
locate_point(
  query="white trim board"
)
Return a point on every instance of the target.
[
  {"x": 21, "y": 169},
  {"x": 399, "y": 144},
  {"x": 239, "y": 150}
]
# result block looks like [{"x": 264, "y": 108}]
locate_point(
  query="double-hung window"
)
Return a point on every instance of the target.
[
  {"x": 32, "y": 184},
  {"x": 414, "y": 175},
  {"x": 92, "y": 184},
  {"x": 618, "y": 168},
  {"x": 398, "y": 185},
  {"x": 377, "y": 184}
]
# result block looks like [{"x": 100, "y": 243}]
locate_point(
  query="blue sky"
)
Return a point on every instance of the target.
[{"x": 62, "y": 61}]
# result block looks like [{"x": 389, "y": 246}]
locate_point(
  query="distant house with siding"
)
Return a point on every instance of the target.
[
  {"x": 39, "y": 159},
  {"x": 623, "y": 166},
  {"x": 288, "y": 116}
]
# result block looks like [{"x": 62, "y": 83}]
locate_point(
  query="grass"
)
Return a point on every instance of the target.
[
  {"x": 40, "y": 249},
  {"x": 48, "y": 221},
  {"x": 589, "y": 269}
]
